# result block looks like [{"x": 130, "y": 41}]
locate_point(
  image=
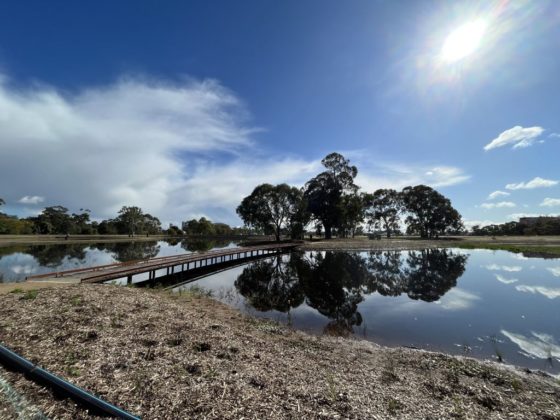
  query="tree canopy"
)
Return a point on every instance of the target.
[
  {"x": 383, "y": 210},
  {"x": 430, "y": 214},
  {"x": 272, "y": 208},
  {"x": 325, "y": 192}
]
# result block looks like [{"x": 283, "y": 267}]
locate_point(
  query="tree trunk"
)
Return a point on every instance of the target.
[{"x": 328, "y": 233}]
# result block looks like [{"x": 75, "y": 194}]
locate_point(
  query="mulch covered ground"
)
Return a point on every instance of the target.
[{"x": 169, "y": 357}]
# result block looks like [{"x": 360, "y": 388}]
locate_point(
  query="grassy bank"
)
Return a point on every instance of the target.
[
  {"x": 18, "y": 240},
  {"x": 534, "y": 246},
  {"x": 526, "y": 249},
  {"x": 169, "y": 356}
]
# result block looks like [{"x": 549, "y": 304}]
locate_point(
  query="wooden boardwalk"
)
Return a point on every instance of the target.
[{"x": 153, "y": 268}]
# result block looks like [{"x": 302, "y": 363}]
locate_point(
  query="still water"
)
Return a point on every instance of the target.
[
  {"x": 482, "y": 303},
  {"x": 486, "y": 304},
  {"x": 17, "y": 262}
]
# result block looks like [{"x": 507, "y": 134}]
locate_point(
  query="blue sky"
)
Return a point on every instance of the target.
[{"x": 183, "y": 107}]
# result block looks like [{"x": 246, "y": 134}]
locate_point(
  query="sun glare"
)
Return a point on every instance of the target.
[{"x": 463, "y": 41}]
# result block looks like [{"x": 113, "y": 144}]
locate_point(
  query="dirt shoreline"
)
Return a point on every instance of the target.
[{"x": 167, "y": 356}]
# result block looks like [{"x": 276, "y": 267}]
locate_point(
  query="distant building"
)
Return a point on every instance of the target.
[{"x": 530, "y": 221}]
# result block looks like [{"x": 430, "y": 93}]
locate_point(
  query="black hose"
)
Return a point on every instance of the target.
[{"x": 14, "y": 361}]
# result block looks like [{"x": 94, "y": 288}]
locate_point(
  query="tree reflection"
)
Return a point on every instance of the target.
[
  {"x": 53, "y": 255},
  {"x": 129, "y": 251},
  {"x": 386, "y": 275},
  {"x": 271, "y": 284},
  {"x": 432, "y": 273},
  {"x": 202, "y": 245},
  {"x": 332, "y": 283},
  {"x": 335, "y": 283},
  {"x": 423, "y": 275}
]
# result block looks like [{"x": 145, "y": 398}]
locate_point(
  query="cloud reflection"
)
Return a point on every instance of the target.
[
  {"x": 545, "y": 291},
  {"x": 541, "y": 345},
  {"x": 555, "y": 271},
  {"x": 458, "y": 299},
  {"x": 504, "y": 280},
  {"x": 508, "y": 268}
]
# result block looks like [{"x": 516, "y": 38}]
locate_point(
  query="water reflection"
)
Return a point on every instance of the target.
[
  {"x": 53, "y": 255},
  {"x": 129, "y": 251},
  {"x": 202, "y": 245},
  {"x": 17, "y": 262},
  {"x": 335, "y": 283},
  {"x": 271, "y": 285}
]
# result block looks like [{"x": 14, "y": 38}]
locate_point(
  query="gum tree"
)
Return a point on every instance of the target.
[{"x": 271, "y": 208}]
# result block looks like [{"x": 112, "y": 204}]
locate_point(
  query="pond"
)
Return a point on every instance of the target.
[
  {"x": 481, "y": 303},
  {"x": 17, "y": 262}
]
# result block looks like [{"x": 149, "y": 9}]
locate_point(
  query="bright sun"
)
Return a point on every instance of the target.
[{"x": 463, "y": 41}]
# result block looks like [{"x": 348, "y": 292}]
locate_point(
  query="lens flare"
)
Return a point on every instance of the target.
[{"x": 463, "y": 41}]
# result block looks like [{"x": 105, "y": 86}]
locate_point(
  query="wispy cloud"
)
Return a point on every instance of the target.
[
  {"x": 517, "y": 136},
  {"x": 497, "y": 194},
  {"x": 500, "y": 205},
  {"x": 550, "y": 202},
  {"x": 135, "y": 142},
  {"x": 397, "y": 175},
  {"x": 536, "y": 182},
  {"x": 31, "y": 199},
  {"x": 178, "y": 150}
]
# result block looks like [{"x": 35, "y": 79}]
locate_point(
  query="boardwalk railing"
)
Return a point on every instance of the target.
[{"x": 164, "y": 266}]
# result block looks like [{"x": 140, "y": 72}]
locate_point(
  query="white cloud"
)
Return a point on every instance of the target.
[
  {"x": 505, "y": 280},
  {"x": 545, "y": 291},
  {"x": 497, "y": 194},
  {"x": 31, "y": 199},
  {"x": 550, "y": 202},
  {"x": 131, "y": 143},
  {"x": 518, "y": 136},
  {"x": 177, "y": 150},
  {"x": 536, "y": 182},
  {"x": 481, "y": 223},
  {"x": 398, "y": 176},
  {"x": 501, "y": 204}
]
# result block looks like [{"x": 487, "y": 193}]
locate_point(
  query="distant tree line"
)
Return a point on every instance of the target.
[
  {"x": 337, "y": 206},
  {"x": 540, "y": 226},
  {"x": 131, "y": 220}
]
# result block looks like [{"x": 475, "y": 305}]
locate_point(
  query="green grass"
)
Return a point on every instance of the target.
[
  {"x": 529, "y": 249},
  {"x": 30, "y": 294},
  {"x": 196, "y": 292}
]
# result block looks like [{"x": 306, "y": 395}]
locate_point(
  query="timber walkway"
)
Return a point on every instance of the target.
[{"x": 152, "y": 268}]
